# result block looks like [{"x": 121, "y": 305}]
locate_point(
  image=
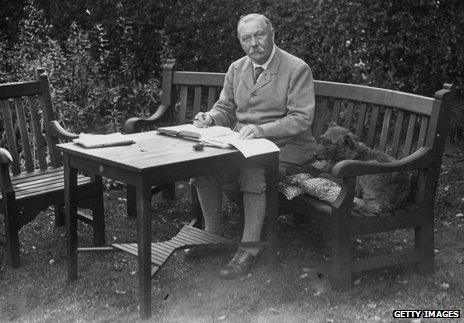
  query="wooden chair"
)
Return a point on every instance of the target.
[
  {"x": 31, "y": 172},
  {"x": 411, "y": 127}
]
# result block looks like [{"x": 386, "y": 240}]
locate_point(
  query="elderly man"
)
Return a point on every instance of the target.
[{"x": 268, "y": 93}]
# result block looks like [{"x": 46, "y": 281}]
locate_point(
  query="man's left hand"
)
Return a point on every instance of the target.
[{"x": 251, "y": 131}]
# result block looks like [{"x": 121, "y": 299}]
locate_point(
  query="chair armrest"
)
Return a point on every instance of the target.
[
  {"x": 56, "y": 130},
  {"x": 5, "y": 157},
  {"x": 134, "y": 125},
  {"x": 420, "y": 159}
]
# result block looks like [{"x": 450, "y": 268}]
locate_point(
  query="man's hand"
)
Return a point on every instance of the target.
[
  {"x": 202, "y": 120},
  {"x": 250, "y": 131}
]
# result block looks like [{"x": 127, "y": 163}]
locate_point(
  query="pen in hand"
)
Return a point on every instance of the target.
[{"x": 202, "y": 120}]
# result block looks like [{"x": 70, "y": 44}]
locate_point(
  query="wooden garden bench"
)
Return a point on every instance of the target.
[
  {"x": 410, "y": 127},
  {"x": 31, "y": 172}
]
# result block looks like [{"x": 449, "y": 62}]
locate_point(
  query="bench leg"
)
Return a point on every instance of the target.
[
  {"x": 341, "y": 274},
  {"x": 11, "y": 232},
  {"x": 59, "y": 215},
  {"x": 424, "y": 242},
  {"x": 98, "y": 212}
]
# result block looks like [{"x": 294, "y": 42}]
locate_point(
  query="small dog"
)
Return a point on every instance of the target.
[{"x": 377, "y": 193}]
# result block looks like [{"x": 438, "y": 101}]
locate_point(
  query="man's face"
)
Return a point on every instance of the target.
[{"x": 256, "y": 39}]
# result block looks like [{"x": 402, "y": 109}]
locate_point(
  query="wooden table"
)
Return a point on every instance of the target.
[{"x": 154, "y": 159}]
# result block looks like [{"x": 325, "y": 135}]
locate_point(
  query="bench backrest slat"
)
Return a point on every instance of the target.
[
  {"x": 183, "y": 103},
  {"x": 349, "y": 114},
  {"x": 197, "y": 100},
  {"x": 385, "y": 128},
  {"x": 397, "y": 133},
  {"x": 409, "y": 134},
  {"x": 360, "y": 123},
  {"x": 377, "y": 116},
  {"x": 26, "y": 114},
  {"x": 211, "y": 97},
  {"x": 374, "y": 117}
]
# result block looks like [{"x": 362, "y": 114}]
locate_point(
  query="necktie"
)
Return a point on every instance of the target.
[{"x": 257, "y": 73}]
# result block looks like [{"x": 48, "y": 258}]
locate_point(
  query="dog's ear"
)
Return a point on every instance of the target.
[{"x": 350, "y": 140}]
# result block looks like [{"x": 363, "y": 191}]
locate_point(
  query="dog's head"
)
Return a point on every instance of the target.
[{"x": 336, "y": 144}]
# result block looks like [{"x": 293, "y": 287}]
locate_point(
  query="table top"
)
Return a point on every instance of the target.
[{"x": 150, "y": 150}]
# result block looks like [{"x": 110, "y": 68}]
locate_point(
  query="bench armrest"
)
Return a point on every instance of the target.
[
  {"x": 56, "y": 130},
  {"x": 420, "y": 159},
  {"x": 134, "y": 125},
  {"x": 6, "y": 186}
]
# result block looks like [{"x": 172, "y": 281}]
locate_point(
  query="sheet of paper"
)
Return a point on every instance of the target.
[
  {"x": 249, "y": 147},
  {"x": 254, "y": 147}
]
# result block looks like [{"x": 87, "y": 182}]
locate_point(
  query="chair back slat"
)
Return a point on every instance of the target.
[
  {"x": 197, "y": 100},
  {"x": 10, "y": 136},
  {"x": 361, "y": 120},
  {"x": 40, "y": 144},
  {"x": 397, "y": 133},
  {"x": 27, "y": 150},
  {"x": 48, "y": 115},
  {"x": 211, "y": 97},
  {"x": 385, "y": 129}
]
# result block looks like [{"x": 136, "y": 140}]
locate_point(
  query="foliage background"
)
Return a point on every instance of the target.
[{"x": 104, "y": 57}]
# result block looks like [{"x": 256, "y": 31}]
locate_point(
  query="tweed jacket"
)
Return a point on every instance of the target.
[{"x": 282, "y": 102}]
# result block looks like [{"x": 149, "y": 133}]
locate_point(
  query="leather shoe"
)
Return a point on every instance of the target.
[
  {"x": 197, "y": 253},
  {"x": 239, "y": 265}
]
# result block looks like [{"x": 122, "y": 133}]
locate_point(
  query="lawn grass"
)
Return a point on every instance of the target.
[{"x": 192, "y": 291}]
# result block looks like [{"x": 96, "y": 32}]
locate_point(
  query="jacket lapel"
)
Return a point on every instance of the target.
[{"x": 272, "y": 69}]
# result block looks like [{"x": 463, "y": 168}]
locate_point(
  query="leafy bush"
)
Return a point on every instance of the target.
[
  {"x": 105, "y": 56},
  {"x": 87, "y": 95}
]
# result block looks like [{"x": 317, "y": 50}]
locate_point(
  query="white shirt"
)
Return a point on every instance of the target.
[{"x": 265, "y": 65}]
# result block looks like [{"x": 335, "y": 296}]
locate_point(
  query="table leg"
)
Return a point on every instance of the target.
[
  {"x": 143, "y": 194},
  {"x": 70, "y": 193},
  {"x": 272, "y": 178}
]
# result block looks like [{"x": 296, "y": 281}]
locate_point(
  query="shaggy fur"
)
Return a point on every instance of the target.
[{"x": 378, "y": 193}]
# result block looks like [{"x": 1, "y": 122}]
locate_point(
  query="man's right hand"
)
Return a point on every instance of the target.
[{"x": 202, "y": 120}]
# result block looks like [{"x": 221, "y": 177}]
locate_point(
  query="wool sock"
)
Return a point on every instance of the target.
[
  {"x": 211, "y": 201},
  {"x": 255, "y": 210}
]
